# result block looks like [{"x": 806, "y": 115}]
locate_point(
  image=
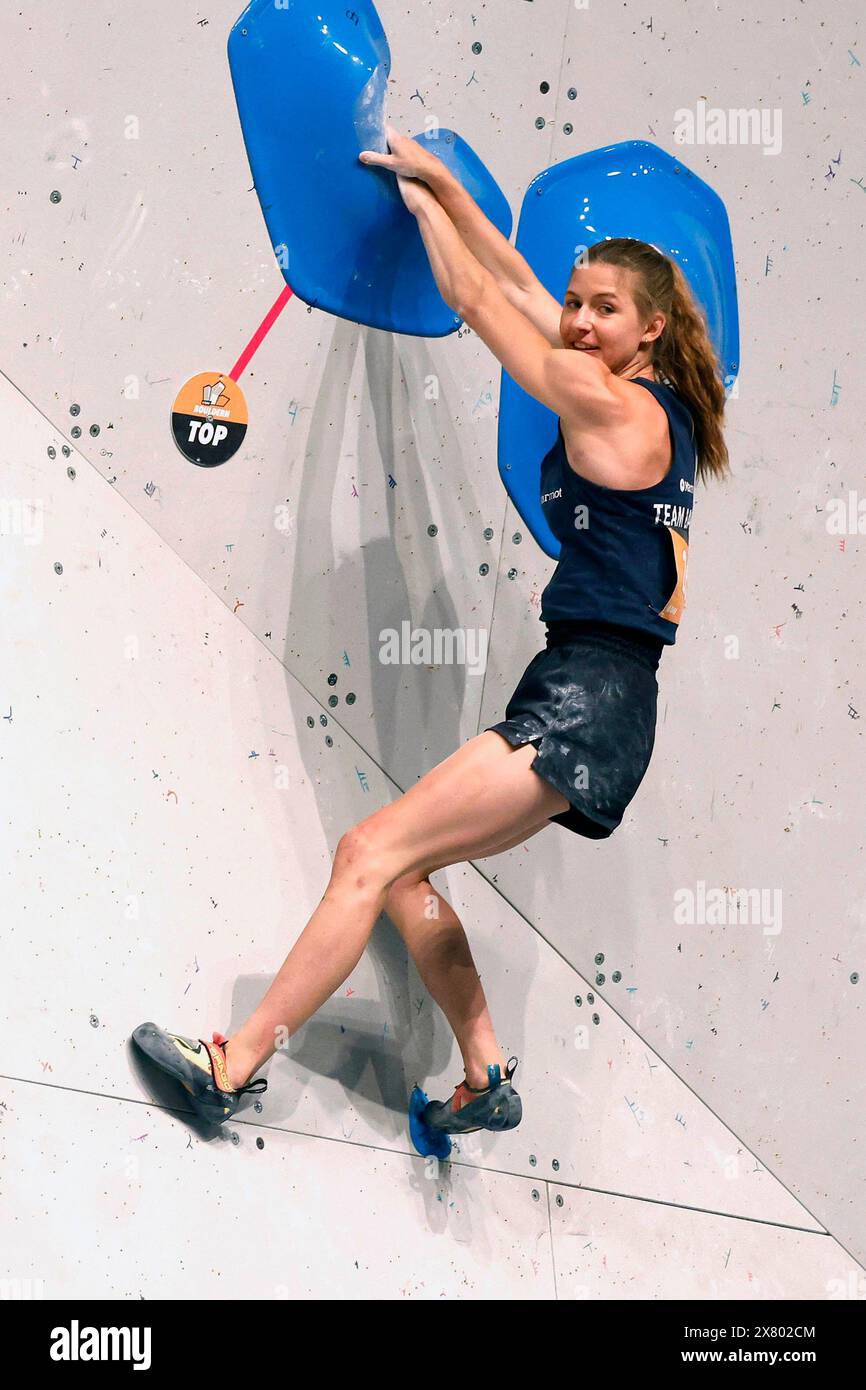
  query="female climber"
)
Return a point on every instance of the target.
[{"x": 626, "y": 363}]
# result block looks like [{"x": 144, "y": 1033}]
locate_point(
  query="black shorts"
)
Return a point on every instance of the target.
[{"x": 589, "y": 707}]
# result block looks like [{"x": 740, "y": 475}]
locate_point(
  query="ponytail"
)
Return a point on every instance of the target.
[{"x": 683, "y": 354}]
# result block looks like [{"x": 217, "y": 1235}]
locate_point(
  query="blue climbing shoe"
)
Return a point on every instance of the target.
[
  {"x": 199, "y": 1066},
  {"x": 496, "y": 1107}
]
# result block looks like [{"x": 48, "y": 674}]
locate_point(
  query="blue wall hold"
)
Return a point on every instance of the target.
[
  {"x": 310, "y": 82},
  {"x": 632, "y": 189}
]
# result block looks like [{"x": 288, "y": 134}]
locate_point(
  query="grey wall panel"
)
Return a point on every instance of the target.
[{"x": 316, "y": 537}]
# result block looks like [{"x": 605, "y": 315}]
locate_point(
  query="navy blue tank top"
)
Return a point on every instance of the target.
[{"x": 624, "y": 550}]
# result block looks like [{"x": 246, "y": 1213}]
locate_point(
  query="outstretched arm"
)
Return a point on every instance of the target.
[
  {"x": 570, "y": 383},
  {"x": 485, "y": 241},
  {"x": 413, "y": 159},
  {"x": 513, "y": 275},
  {"x": 459, "y": 276},
  {"x": 425, "y": 182}
]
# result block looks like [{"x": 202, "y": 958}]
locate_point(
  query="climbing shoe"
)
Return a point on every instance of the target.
[
  {"x": 496, "y": 1107},
  {"x": 199, "y": 1066}
]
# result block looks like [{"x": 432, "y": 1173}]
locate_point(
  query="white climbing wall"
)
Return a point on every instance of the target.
[{"x": 179, "y": 753}]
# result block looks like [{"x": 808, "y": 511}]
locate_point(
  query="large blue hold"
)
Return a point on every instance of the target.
[
  {"x": 632, "y": 189},
  {"x": 310, "y": 80}
]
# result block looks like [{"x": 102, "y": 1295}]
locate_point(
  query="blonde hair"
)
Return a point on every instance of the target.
[{"x": 683, "y": 354}]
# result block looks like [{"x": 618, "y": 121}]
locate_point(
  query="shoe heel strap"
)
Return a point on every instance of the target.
[
  {"x": 503, "y": 1077},
  {"x": 255, "y": 1088},
  {"x": 218, "y": 1063}
]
